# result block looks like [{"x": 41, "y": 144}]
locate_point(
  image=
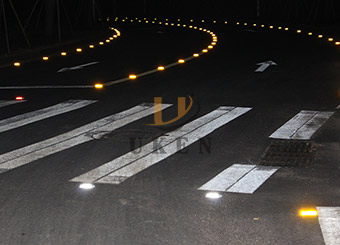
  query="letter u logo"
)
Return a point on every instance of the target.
[{"x": 182, "y": 111}]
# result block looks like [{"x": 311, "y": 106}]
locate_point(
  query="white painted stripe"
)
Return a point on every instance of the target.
[
  {"x": 302, "y": 126},
  {"x": 75, "y": 137},
  {"x": 227, "y": 178},
  {"x": 27, "y": 118},
  {"x": 4, "y": 103},
  {"x": 329, "y": 220},
  {"x": 338, "y": 107},
  {"x": 253, "y": 180},
  {"x": 121, "y": 168}
]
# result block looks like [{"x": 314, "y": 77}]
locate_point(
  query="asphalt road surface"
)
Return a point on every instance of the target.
[{"x": 261, "y": 145}]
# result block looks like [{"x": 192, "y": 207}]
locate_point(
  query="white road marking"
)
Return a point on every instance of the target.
[
  {"x": 227, "y": 178},
  {"x": 4, "y": 103},
  {"x": 338, "y": 107},
  {"x": 265, "y": 65},
  {"x": 30, "y": 117},
  {"x": 253, "y": 180},
  {"x": 75, "y": 137},
  {"x": 329, "y": 220},
  {"x": 78, "y": 67},
  {"x": 302, "y": 126},
  {"x": 239, "y": 178},
  {"x": 123, "y": 167}
]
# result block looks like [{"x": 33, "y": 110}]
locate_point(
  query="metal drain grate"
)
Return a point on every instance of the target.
[{"x": 288, "y": 153}]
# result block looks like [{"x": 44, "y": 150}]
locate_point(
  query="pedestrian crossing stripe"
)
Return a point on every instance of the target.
[
  {"x": 329, "y": 220},
  {"x": 35, "y": 116},
  {"x": 130, "y": 164},
  {"x": 302, "y": 126},
  {"x": 30, "y": 153},
  {"x": 4, "y": 103},
  {"x": 239, "y": 178}
]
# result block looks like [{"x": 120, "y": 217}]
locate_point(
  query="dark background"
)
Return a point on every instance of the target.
[{"x": 39, "y": 18}]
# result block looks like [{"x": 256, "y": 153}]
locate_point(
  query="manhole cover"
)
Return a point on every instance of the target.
[{"x": 288, "y": 153}]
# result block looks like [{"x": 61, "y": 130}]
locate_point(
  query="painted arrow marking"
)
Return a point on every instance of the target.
[
  {"x": 78, "y": 67},
  {"x": 265, "y": 65}
]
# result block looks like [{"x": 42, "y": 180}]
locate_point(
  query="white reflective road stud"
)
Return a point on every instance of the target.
[
  {"x": 31, "y": 117},
  {"x": 253, "y": 180},
  {"x": 302, "y": 126},
  {"x": 121, "y": 168},
  {"x": 75, "y": 137},
  {"x": 227, "y": 178},
  {"x": 4, "y": 103},
  {"x": 329, "y": 220}
]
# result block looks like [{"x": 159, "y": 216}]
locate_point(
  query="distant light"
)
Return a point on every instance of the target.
[
  {"x": 196, "y": 55},
  {"x": 86, "y": 186},
  {"x": 337, "y": 43},
  {"x": 262, "y": 26},
  {"x": 91, "y": 46},
  {"x": 107, "y": 40},
  {"x": 115, "y": 36},
  {"x": 19, "y": 98},
  {"x": 17, "y": 64},
  {"x": 214, "y": 21},
  {"x": 225, "y": 22},
  {"x": 280, "y": 28},
  {"x": 213, "y": 43},
  {"x": 99, "y": 86},
  {"x": 191, "y": 20},
  {"x": 237, "y": 23},
  {"x": 111, "y": 38},
  {"x": 203, "y": 21},
  {"x": 181, "y": 61},
  {"x": 210, "y": 47},
  {"x": 101, "y": 43},
  {"x": 298, "y": 31},
  {"x": 79, "y": 50},
  {"x": 178, "y": 24},
  {"x": 286, "y": 29},
  {"x": 63, "y": 53},
  {"x": 205, "y": 50},
  {"x": 184, "y": 25},
  {"x": 271, "y": 27},
  {"x": 161, "y": 68},
  {"x": 213, "y": 195},
  {"x": 331, "y": 39},
  {"x": 320, "y": 36},
  {"x": 45, "y": 58},
  {"x": 308, "y": 213},
  {"x": 254, "y": 25},
  {"x": 132, "y": 76},
  {"x": 245, "y": 24},
  {"x": 310, "y": 33}
]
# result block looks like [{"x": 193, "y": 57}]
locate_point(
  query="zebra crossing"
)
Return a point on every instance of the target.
[
  {"x": 245, "y": 179},
  {"x": 4, "y": 103},
  {"x": 238, "y": 178}
]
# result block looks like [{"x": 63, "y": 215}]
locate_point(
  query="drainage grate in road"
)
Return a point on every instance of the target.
[{"x": 288, "y": 153}]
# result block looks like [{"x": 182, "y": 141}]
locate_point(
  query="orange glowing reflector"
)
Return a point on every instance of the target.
[
  {"x": 205, "y": 50},
  {"x": 181, "y": 61},
  {"x": 331, "y": 39},
  {"x": 101, "y": 43},
  {"x": 111, "y": 38},
  {"x": 271, "y": 27},
  {"x": 280, "y": 28},
  {"x": 17, "y": 64},
  {"x": 107, "y": 40},
  {"x": 210, "y": 47},
  {"x": 310, "y": 33},
  {"x": 98, "y": 86},
  {"x": 161, "y": 68},
  {"x": 196, "y": 55},
  {"x": 298, "y": 31},
  {"x": 91, "y": 46},
  {"x": 337, "y": 43},
  {"x": 286, "y": 29},
  {"x": 45, "y": 58},
  {"x": 79, "y": 50},
  {"x": 19, "y": 98},
  {"x": 213, "y": 43},
  {"x": 308, "y": 213},
  {"x": 320, "y": 36},
  {"x": 63, "y": 53},
  {"x": 262, "y": 26},
  {"x": 132, "y": 76}
]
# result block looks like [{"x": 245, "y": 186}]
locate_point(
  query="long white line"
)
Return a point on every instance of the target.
[
  {"x": 302, "y": 126},
  {"x": 121, "y": 168},
  {"x": 75, "y": 137},
  {"x": 239, "y": 178},
  {"x": 4, "y": 103},
  {"x": 253, "y": 180},
  {"x": 329, "y": 220},
  {"x": 30, "y": 117},
  {"x": 227, "y": 178}
]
